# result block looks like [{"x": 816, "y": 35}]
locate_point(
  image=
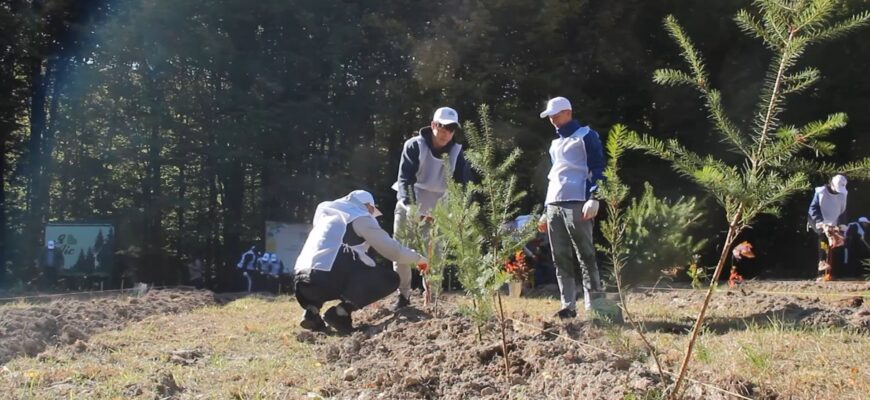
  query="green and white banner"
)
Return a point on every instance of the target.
[
  {"x": 87, "y": 248},
  {"x": 286, "y": 240}
]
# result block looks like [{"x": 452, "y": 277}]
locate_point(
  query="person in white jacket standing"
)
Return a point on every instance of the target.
[
  {"x": 577, "y": 166},
  {"x": 334, "y": 264}
]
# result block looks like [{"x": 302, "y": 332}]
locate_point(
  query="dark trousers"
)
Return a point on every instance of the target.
[
  {"x": 354, "y": 283},
  {"x": 49, "y": 278}
]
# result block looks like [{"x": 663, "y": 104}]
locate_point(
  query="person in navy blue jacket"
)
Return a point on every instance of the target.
[
  {"x": 423, "y": 179},
  {"x": 577, "y": 166}
]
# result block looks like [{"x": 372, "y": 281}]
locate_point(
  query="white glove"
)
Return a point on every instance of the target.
[
  {"x": 401, "y": 204},
  {"x": 590, "y": 209}
]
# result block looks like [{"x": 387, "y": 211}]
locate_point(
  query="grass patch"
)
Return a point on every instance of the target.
[
  {"x": 245, "y": 350},
  {"x": 248, "y": 350}
]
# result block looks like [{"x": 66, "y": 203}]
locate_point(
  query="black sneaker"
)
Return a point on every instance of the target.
[
  {"x": 566, "y": 313},
  {"x": 341, "y": 323},
  {"x": 400, "y": 303},
  {"x": 312, "y": 321}
]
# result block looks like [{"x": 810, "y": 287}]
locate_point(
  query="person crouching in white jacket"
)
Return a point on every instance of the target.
[{"x": 333, "y": 264}]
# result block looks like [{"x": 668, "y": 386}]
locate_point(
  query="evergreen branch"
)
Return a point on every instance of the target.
[
  {"x": 723, "y": 124},
  {"x": 683, "y": 161},
  {"x": 751, "y": 26},
  {"x": 841, "y": 28},
  {"x": 818, "y": 129},
  {"x": 690, "y": 54},
  {"x": 776, "y": 189},
  {"x": 673, "y": 77},
  {"x": 824, "y": 170},
  {"x": 508, "y": 162},
  {"x": 791, "y": 140},
  {"x": 799, "y": 81},
  {"x": 613, "y": 228},
  {"x": 769, "y": 119},
  {"x": 857, "y": 169},
  {"x": 814, "y": 15},
  {"x": 774, "y": 21}
]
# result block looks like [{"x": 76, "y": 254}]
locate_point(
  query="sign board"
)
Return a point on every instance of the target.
[
  {"x": 87, "y": 248},
  {"x": 286, "y": 240}
]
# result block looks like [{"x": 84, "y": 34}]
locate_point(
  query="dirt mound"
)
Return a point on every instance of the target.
[
  {"x": 414, "y": 355},
  {"x": 442, "y": 358},
  {"x": 29, "y": 330},
  {"x": 795, "y": 303}
]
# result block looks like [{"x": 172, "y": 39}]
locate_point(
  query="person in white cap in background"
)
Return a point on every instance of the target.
[
  {"x": 423, "y": 179},
  {"x": 577, "y": 166},
  {"x": 827, "y": 217},
  {"x": 50, "y": 262},
  {"x": 334, "y": 264},
  {"x": 264, "y": 268}
]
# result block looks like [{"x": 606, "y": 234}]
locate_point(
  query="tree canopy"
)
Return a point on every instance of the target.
[{"x": 188, "y": 124}]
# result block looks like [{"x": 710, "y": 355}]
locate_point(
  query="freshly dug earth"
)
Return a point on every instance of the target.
[
  {"x": 415, "y": 355},
  {"x": 30, "y": 330},
  {"x": 838, "y": 304}
]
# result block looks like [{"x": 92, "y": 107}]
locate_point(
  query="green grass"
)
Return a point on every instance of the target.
[{"x": 248, "y": 348}]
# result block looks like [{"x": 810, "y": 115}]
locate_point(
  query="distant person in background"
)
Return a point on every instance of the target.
[
  {"x": 50, "y": 262},
  {"x": 247, "y": 265},
  {"x": 857, "y": 247},
  {"x": 195, "y": 273},
  {"x": 827, "y": 217},
  {"x": 261, "y": 275}
]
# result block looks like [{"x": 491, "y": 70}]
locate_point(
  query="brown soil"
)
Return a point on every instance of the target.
[
  {"x": 415, "y": 355},
  {"x": 30, "y": 330},
  {"x": 838, "y": 304}
]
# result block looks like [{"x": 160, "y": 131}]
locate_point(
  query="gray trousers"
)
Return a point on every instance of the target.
[
  {"x": 404, "y": 270},
  {"x": 573, "y": 253}
]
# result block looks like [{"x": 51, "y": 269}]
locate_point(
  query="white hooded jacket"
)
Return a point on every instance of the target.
[{"x": 326, "y": 239}]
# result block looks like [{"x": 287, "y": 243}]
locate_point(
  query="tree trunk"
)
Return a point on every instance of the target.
[
  {"x": 182, "y": 194},
  {"x": 233, "y": 195},
  {"x": 733, "y": 231},
  {"x": 58, "y": 71},
  {"x": 33, "y": 225},
  {"x": 153, "y": 214},
  {"x": 3, "y": 224}
]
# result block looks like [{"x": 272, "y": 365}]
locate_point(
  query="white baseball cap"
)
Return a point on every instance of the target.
[
  {"x": 556, "y": 105},
  {"x": 864, "y": 220},
  {"x": 50, "y": 245},
  {"x": 838, "y": 183},
  {"x": 363, "y": 197},
  {"x": 446, "y": 116}
]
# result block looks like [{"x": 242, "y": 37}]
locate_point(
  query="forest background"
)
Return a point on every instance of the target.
[{"x": 188, "y": 124}]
